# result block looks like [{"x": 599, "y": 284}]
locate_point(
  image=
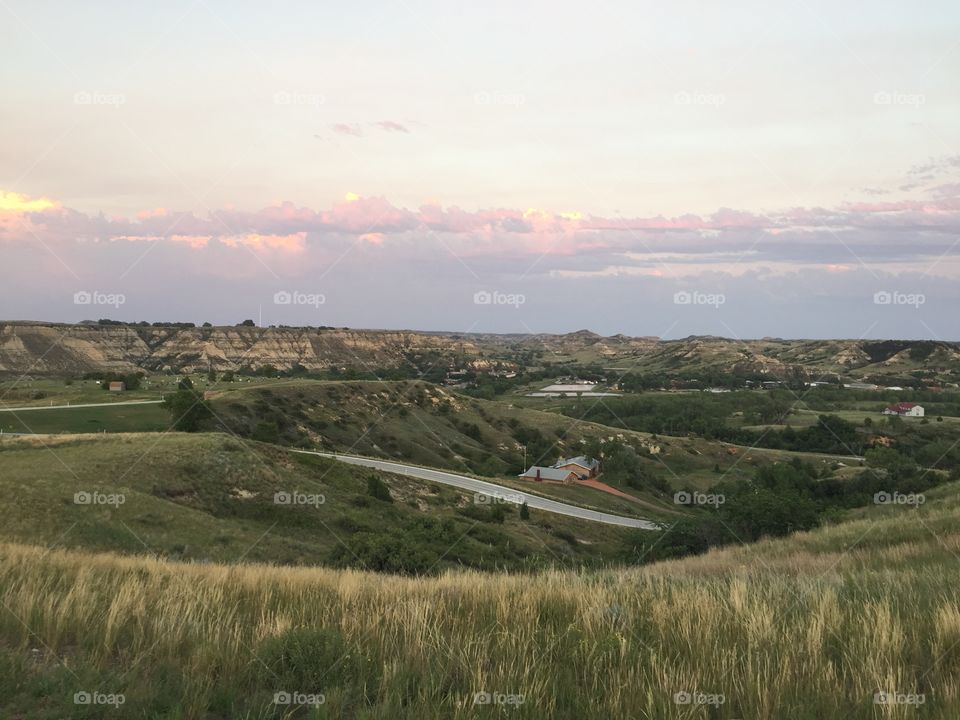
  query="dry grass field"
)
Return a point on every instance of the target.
[{"x": 811, "y": 626}]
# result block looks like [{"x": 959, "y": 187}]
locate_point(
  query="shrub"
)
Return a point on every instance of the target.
[
  {"x": 377, "y": 488},
  {"x": 307, "y": 657}
]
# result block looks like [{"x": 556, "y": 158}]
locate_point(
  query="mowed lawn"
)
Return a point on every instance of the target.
[{"x": 109, "y": 418}]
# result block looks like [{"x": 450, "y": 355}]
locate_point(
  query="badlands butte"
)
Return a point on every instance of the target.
[{"x": 39, "y": 348}]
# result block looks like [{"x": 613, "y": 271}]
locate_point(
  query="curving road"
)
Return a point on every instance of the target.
[{"x": 487, "y": 488}]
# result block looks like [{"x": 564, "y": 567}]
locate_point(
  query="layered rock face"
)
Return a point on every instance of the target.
[
  {"x": 58, "y": 349},
  {"x": 55, "y": 349}
]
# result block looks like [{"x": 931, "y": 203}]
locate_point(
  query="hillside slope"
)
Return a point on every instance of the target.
[
  {"x": 425, "y": 424},
  {"x": 856, "y": 621},
  {"x": 213, "y": 498}
]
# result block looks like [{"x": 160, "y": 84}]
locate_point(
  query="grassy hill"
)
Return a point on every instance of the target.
[
  {"x": 212, "y": 498},
  {"x": 429, "y": 425},
  {"x": 812, "y": 626}
]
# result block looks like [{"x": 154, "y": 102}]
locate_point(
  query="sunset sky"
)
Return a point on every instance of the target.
[{"x": 736, "y": 169}]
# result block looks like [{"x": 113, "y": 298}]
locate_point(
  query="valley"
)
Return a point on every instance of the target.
[{"x": 364, "y": 534}]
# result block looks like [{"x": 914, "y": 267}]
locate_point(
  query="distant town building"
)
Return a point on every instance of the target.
[
  {"x": 904, "y": 409},
  {"x": 861, "y": 386},
  {"x": 117, "y": 386}
]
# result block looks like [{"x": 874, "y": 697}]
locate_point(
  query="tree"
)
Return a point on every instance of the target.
[
  {"x": 887, "y": 459},
  {"x": 248, "y": 323},
  {"x": 524, "y": 512},
  {"x": 187, "y": 409},
  {"x": 185, "y": 384},
  {"x": 212, "y": 375}
]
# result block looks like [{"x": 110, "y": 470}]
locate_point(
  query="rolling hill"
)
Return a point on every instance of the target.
[
  {"x": 853, "y": 621},
  {"x": 214, "y": 498}
]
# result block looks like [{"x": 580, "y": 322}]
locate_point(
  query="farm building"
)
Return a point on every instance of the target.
[
  {"x": 904, "y": 409},
  {"x": 539, "y": 474},
  {"x": 583, "y": 466},
  {"x": 565, "y": 470},
  {"x": 117, "y": 386}
]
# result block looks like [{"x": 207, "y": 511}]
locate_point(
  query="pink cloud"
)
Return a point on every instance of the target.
[
  {"x": 391, "y": 126},
  {"x": 373, "y": 238},
  {"x": 507, "y": 236},
  {"x": 352, "y": 129}
]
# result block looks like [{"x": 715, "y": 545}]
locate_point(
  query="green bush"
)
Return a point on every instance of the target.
[{"x": 377, "y": 488}]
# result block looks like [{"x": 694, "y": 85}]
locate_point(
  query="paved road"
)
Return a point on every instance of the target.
[
  {"x": 80, "y": 405},
  {"x": 490, "y": 489}
]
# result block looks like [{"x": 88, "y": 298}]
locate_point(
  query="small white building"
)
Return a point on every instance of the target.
[{"x": 904, "y": 409}]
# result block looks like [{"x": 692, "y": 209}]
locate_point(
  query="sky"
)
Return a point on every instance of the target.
[{"x": 663, "y": 169}]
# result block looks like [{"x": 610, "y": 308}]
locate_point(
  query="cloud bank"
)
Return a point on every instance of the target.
[{"x": 415, "y": 267}]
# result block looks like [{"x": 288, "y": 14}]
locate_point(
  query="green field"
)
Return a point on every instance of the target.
[{"x": 111, "y": 418}]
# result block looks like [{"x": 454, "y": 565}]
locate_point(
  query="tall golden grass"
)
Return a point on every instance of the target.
[{"x": 784, "y": 629}]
